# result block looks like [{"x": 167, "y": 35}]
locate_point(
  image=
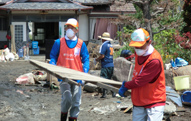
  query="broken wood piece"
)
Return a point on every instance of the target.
[
  {"x": 127, "y": 109},
  {"x": 186, "y": 103},
  {"x": 180, "y": 109}
]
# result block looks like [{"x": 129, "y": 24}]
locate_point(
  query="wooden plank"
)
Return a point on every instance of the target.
[
  {"x": 61, "y": 72},
  {"x": 13, "y": 49},
  {"x": 112, "y": 88},
  {"x": 58, "y": 75},
  {"x": 109, "y": 87}
]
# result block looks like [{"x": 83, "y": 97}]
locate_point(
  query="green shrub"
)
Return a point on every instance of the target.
[{"x": 165, "y": 43}]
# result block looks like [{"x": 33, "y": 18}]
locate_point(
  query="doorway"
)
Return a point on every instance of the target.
[{"x": 45, "y": 33}]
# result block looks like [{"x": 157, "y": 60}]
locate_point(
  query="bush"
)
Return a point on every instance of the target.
[
  {"x": 167, "y": 43},
  {"x": 184, "y": 43}
]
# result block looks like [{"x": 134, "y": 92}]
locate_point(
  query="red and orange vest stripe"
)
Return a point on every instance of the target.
[
  {"x": 150, "y": 93},
  {"x": 70, "y": 57}
]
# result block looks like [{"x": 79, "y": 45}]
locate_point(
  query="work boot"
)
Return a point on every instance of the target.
[
  {"x": 64, "y": 116},
  {"x": 113, "y": 94},
  {"x": 103, "y": 93},
  {"x": 72, "y": 119}
]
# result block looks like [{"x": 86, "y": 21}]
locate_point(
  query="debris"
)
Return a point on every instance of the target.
[
  {"x": 128, "y": 109},
  {"x": 53, "y": 86},
  {"x": 21, "y": 92},
  {"x": 111, "y": 107},
  {"x": 39, "y": 75},
  {"x": 180, "y": 109},
  {"x": 169, "y": 107},
  {"x": 105, "y": 109},
  {"x": 93, "y": 49},
  {"x": 89, "y": 87},
  {"x": 173, "y": 95},
  {"x": 25, "y": 79},
  {"x": 117, "y": 101}
]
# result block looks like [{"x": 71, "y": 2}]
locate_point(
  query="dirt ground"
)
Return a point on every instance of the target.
[{"x": 37, "y": 103}]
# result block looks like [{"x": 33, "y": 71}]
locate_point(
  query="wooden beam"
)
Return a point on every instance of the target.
[
  {"x": 61, "y": 72},
  {"x": 13, "y": 49},
  {"x": 109, "y": 87},
  {"x": 56, "y": 74},
  {"x": 112, "y": 88}
]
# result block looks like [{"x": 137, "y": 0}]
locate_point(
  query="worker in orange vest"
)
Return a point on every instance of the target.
[
  {"x": 147, "y": 86},
  {"x": 70, "y": 52}
]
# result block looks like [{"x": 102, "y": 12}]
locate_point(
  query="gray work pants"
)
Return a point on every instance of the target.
[{"x": 71, "y": 98}]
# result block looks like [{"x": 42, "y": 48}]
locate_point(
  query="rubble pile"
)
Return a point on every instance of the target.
[
  {"x": 6, "y": 55},
  {"x": 93, "y": 50}
]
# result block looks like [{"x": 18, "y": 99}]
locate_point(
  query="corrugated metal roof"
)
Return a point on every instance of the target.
[
  {"x": 93, "y": 2},
  {"x": 119, "y": 6},
  {"x": 44, "y": 6}
]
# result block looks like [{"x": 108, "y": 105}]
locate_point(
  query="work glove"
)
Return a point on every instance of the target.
[
  {"x": 122, "y": 89},
  {"x": 80, "y": 82},
  {"x": 52, "y": 62},
  {"x": 86, "y": 70}
]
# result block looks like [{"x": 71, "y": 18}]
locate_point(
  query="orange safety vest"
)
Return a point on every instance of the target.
[
  {"x": 70, "y": 57},
  {"x": 150, "y": 93}
]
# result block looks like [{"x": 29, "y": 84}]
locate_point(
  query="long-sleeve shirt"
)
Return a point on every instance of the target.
[
  {"x": 148, "y": 75},
  {"x": 71, "y": 44}
]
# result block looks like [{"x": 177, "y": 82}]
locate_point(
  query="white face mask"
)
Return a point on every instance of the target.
[
  {"x": 70, "y": 33},
  {"x": 141, "y": 52}
]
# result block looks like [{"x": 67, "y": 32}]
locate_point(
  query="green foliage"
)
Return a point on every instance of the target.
[
  {"x": 139, "y": 13},
  {"x": 164, "y": 43},
  {"x": 125, "y": 47},
  {"x": 125, "y": 41}
]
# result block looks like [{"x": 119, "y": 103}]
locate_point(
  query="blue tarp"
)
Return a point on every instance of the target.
[{"x": 173, "y": 95}]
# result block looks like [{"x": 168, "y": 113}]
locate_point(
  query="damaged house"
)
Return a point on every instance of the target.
[{"x": 43, "y": 21}]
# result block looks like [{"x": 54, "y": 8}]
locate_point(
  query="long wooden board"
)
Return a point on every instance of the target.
[
  {"x": 112, "y": 88},
  {"x": 62, "y": 73}
]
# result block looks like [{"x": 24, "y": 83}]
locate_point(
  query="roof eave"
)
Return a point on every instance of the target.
[
  {"x": 97, "y": 3},
  {"x": 2, "y": 3},
  {"x": 44, "y": 9}
]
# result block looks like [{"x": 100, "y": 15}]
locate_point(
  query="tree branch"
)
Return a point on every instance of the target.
[
  {"x": 161, "y": 29},
  {"x": 138, "y": 3},
  {"x": 160, "y": 10},
  {"x": 150, "y": 1}
]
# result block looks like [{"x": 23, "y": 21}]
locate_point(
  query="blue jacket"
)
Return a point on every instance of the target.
[{"x": 71, "y": 44}]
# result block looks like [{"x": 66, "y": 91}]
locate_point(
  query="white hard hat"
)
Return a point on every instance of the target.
[{"x": 73, "y": 22}]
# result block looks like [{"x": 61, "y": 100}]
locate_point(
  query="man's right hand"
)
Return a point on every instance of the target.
[
  {"x": 122, "y": 90},
  {"x": 51, "y": 62},
  {"x": 80, "y": 82}
]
